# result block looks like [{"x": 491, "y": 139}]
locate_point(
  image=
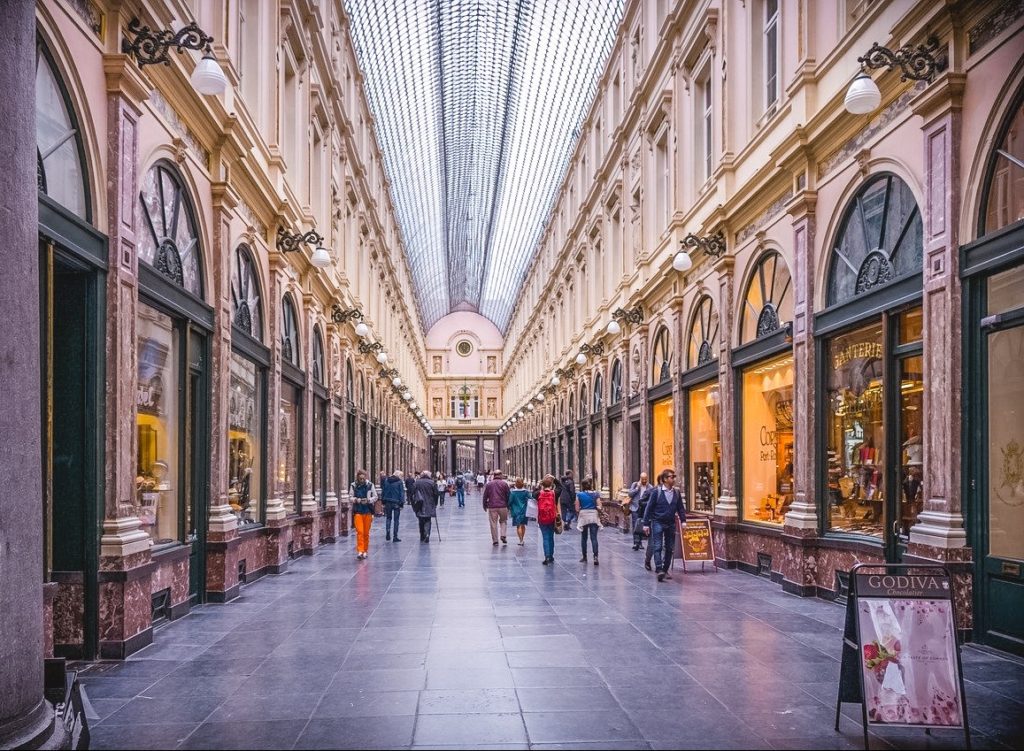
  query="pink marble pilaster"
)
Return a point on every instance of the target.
[{"x": 726, "y": 509}]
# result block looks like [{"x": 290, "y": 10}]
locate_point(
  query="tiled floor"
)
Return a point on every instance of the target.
[{"x": 458, "y": 643}]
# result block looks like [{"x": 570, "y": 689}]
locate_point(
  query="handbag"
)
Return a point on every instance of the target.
[
  {"x": 378, "y": 507},
  {"x": 531, "y": 508},
  {"x": 559, "y": 525}
]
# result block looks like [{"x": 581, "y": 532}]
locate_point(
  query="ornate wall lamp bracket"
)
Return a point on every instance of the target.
[
  {"x": 919, "y": 63},
  {"x": 340, "y": 315},
  {"x": 365, "y": 347},
  {"x": 593, "y": 349},
  {"x": 711, "y": 245},
  {"x": 151, "y": 47},
  {"x": 634, "y": 315},
  {"x": 288, "y": 242},
  {"x": 388, "y": 373},
  {"x": 568, "y": 372}
]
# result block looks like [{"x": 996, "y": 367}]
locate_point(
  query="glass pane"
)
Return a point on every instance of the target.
[
  {"x": 768, "y": 303},
  {"x": 288, "y": 447},
  {"x": 705, "y": 450},
  {"x": 597, "y": 458},
  {"x": 57, "y": 140},
  {"x": 911, "y": 449},
  {"x": 158, "y": 463},
  {"x": 855, "y": 435},
  {"x": 490, "y": 457},
  {"x": 615, "y": 430},
  {"x": 1006, "y": 443},
  {"x": 662, "y": 437},
  {"x": 1006, "y": 291},
  {"x": 1006, "y": 188},
  {"x": 767, "y": 431},
  {"x": 911, "y": 326},
  {"x": 245, "y": 411},
  {"x": 318, "y": 452}
]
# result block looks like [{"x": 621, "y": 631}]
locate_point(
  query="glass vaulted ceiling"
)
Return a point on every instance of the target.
[{"x": 478, "y": 105}]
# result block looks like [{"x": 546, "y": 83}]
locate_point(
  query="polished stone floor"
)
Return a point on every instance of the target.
[{"x": 460, "y": 644}]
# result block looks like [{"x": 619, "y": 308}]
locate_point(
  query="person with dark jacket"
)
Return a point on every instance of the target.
[
  {"x": 410, "y": 483},
  {"x": 460, "y": 489},
  {"x": 496, "y": 495},
  {"x": 660, "y": 521},
  {"x": 424, "y": 503},
  {"x": 639, "y": 494},
  {"x": 392, "y": 493},
  {"x": 567, "y": 498}
]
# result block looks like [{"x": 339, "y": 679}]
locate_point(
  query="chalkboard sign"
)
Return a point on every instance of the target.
[
  {"x": 901, "y": 658},
  {"x": 693, "y": 542}
]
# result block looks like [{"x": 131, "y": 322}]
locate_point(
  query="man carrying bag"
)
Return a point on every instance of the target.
[{"x": 659, "y": 521}]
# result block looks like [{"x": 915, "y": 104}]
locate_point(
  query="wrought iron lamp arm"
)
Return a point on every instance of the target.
[
  {"x": 340, "y": 315},
  {"x": 365, "y": 347},
  {"x": 287, "y": 242},
  {"x": 634, "y": 315},
  {"x": 151, "y": 47},
  {"x": 712, "y": 245},
  {"x": 919, "y": 63}
]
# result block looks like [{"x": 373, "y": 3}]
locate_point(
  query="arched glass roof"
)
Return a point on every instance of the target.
[{"x": 477, "y": 106}]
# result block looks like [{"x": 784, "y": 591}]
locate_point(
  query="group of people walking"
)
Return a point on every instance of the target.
[{"x": 554, "y": 503}]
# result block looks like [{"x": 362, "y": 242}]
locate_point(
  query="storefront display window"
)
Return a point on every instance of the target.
[
  {"x": 705, "y": 450},
  {"x": 855, "y": 429},
  {"x": 288, "y": 445},
  {"x": 662, "y": 436},
  {"x": 911, "y": 449},
  {"x": 245, "y": 439},
  {"x": 615, "y": 433},
  {"x": 158, "y": 425},
  {"x": 319, "y": 425},
  {"x": 767, "y": 440}
]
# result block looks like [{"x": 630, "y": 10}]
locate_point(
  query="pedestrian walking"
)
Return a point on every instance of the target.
[
  {"x": 587, "y": 502},
  {"x": 441, "y": 487},
  {"x": 639, "y": 495},
  {"x": 460, "y": 490},
  {"x": 660, "y": 521},
  {"x": 567, "y": 498},
  {"x": 393, "y": 495},
  {"x": 425, "y": 504},
  {"x": 495, "y": 502},
  {"x": 547, "y": 516},
  {"x": 363, "y": 497},
  {"x": 518, "y": 499},
  {"x": 410, "y": 483}
]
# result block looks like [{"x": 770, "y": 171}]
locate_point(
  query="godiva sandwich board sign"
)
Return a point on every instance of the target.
[{"x": 901, "y": 658}]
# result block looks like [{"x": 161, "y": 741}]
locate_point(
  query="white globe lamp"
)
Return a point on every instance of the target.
[
  {"x": 863, "y": 96},
  {"x": 208, "y": 78},
  {"x": 581, "y": 359},
  {"x": 321, "y": 258},
  {"x": 614, "y": 328},
  {"x": 362, "y": 330},
  {"x": 682, "y": 261}
]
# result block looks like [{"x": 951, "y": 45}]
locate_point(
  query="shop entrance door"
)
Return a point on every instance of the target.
[
  {"x": 999, "y": 483},
  {"x": 197, "y": 465}
]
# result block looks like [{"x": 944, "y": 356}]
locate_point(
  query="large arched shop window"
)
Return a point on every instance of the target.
[
  {"x": 59, "y": 152},
  {"x": 879, "y": 241},
  {"x": 246, "y": 304},
  {"x": 661, "y": 358},
  {"x": 1004, "y": 184},
  {"x": 768, "y": 302},
  {"x": 598, "y": 393},
  {"x": 615, "y": 389},
  {"x": 702, "y": 344},
  {"x": 319, "y": 370},
  {"x": 290, "y": 343},
  {"x": 169, "y": 241},
  {"x": 873, "y": 396},
  {"x": 246, "y": 403}
]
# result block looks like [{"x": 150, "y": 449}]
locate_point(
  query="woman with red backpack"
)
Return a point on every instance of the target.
[{"x": 547, "y": 517}]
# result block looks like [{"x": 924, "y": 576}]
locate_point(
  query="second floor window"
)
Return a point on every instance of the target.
[{"x": 771, "y": 53}]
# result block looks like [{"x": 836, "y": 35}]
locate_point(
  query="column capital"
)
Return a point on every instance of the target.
[
  {"x": 123, "y": 78},
  {"x": 942, "y": 96}
]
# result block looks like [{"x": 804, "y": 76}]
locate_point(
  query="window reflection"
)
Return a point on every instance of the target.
[
  {"x": 768, "y": 440},
  {"x": 705, "y": 450},
  {"x": 244, "y": 439}
]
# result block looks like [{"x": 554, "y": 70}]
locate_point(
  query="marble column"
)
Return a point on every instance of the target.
[
  {"x": 677, "y": 336},
  {"x": 940, "y": 526},
  {"x": 309, "y": 503},
  {"x": 25, "y": 718},
  {"x": 125, "y": 617},
  {"x": 802, "y": 517},
  {"x": 726, "y": 509}
]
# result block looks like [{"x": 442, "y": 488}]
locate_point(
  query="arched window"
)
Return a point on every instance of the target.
[
  {"x": 768, "y": 302},
  {"x": 1004, "y": 184},
  {"x": 703, "y": 339},
  {"x": 572, "y": 407},
  {"x": 361, "y": 393},
  {"x": 59, "y": 153},
  {"x": 290, "y": 333},
  {"x": 350, "y": 388},
  {"x": 598, "y": 393},
  {"x": 615, "y": 390},
  {"x": 661, "y": 358},
  {"x": 319, "y": 371},
  {"x": 168, "y": 240},
  {"x": 583, "y": 400},
  {"x": 880, "y": 240},
  {"x": 246, "y": 307}
]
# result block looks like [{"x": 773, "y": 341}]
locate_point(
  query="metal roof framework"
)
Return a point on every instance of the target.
[{"x": 478, "y": 106}]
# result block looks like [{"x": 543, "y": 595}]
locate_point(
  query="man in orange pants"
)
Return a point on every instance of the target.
[{"x": 363, "y": 497}]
